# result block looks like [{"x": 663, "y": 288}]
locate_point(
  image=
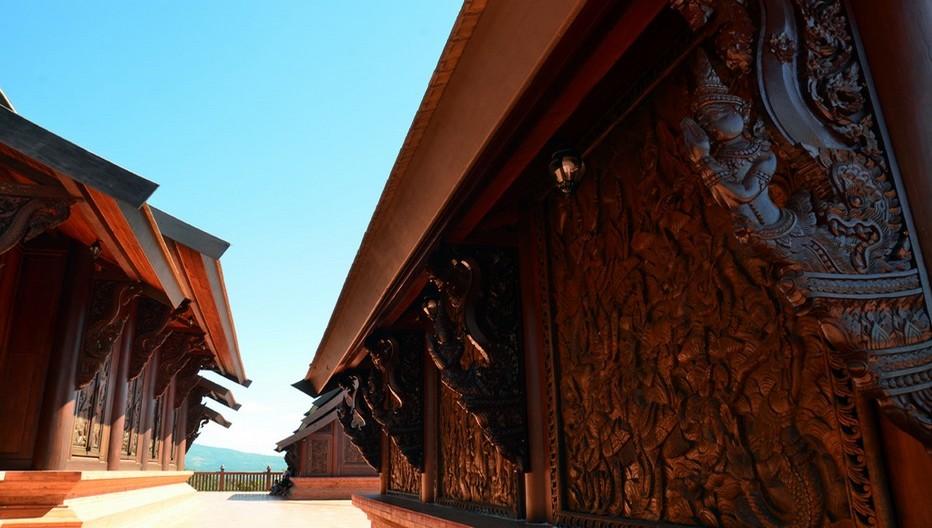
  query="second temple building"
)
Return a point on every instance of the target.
[{"x": 651, "y": 263}]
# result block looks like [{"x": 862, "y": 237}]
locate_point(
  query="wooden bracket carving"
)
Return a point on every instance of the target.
[
  {"x": 152, "y": 319},
  {"x": 196, "y": 420},
  {"x": 187, "y": 378},
  {"x": 475, "y": 314},
  {"x": 819, "y": 197},
  {"x": 109, "y": 311},
  {"x": 394, "y": 391},
  {"x": 357, "y": 420},
  {"x": 174, "y": 355},
  {"x": 29, "y": 210}
]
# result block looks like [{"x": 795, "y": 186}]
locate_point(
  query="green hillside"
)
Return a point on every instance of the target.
[{"x": 207, "y": 458}]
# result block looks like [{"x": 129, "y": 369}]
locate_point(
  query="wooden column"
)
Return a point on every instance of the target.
[
  {"x": 429, "y": 477},
  {"x": 180, "y": 434},
  {"x": 121, "y": 358},
  {"x": 148, "y": 410},
  {"x": 168, "y": 419},
  {"x": 536, "y": 480},
  {"x": 57, "y": 415}
]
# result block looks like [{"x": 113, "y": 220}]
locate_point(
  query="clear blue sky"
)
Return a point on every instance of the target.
[{"x": 272, "y": 125}]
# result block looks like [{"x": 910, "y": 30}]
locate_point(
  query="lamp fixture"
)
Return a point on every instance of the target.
[{"x": 567, "y": 168}]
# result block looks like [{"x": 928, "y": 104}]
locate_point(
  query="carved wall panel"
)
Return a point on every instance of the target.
[
  {"x": 319, "y": 454},
  {"x": 687, "y": 388},
  {"x": 155, "y": 441},
  {"x": 132, "y": 423},
  {"x": 90, "y": 413},
  {"x": 473, "y": 304},
  {"x": 472, "y": 474},
  {"x": 351, "y": 453},
  {"x": 403, "y": 477},
  {"x": 811, "y": 186}
]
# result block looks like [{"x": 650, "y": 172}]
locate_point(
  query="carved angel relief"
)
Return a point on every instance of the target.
[
  {"x": 394, "y": 391},
  {"x": 838, "y": 233},
  {"x": 357, "y": 420},
  {"x": 475, "y": 310},
  {"x": 29, "y": 210},
  {"x": 108, "y": 313}
]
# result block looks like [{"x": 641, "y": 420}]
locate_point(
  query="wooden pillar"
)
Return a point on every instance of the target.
[
  {"x": 148, "y": 410},
  {"x": 57, "y": 416},
  {"x": 181, "y": 445},
  {"x": 168, "y": 419},
  {"x": 121, "y": 359},
  {"x": 536, "y": 480},
  {"x": 429, "y": 477}
]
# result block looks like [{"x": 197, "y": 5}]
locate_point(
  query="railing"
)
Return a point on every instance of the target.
[{"x": 234, "y": 480}]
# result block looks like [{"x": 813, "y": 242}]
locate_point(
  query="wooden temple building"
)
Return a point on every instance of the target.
[
  {"x": 652, "y": 263},
  {"x": 109, "y": 309},
  {"x": 323, "y": 462}
]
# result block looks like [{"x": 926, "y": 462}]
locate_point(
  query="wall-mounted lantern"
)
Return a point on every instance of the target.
[{"x": 567, "y": 168}]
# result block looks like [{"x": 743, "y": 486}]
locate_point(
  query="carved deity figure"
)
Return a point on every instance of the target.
[{"x": 735, "y": 163}]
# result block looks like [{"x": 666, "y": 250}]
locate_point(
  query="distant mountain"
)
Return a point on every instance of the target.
[{"x": 207, "y": 458}]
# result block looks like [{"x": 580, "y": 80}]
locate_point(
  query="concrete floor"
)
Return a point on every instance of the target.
[{"x": 235, "y": 509}]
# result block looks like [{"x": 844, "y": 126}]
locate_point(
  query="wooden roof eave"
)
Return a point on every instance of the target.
[
  {"x": 215, "y": 417},
  {"x": 486, "y": 97},
  {"x": 204, "y": 278},
  {"x": 325, "y": 419},
  {"x": 63, "y": 157},
  {"x": 219, "y": 393}
]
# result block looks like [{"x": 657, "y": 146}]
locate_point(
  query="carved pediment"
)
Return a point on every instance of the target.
[
  {"x": 108, "y": 313},
  {"x": 813, "y": 189},
  {"x": 356, "y": 418},
  {"x": 29, "y": 210},
  {"x": 475, "y": 314},
  {"x": 394, "y": 391}
]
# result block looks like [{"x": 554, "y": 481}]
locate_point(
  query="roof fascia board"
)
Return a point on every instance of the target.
[
  {"x": 189, "y": 235},
  {"x": 59, "y": 154},
  {"x": 153, "y": 245}
]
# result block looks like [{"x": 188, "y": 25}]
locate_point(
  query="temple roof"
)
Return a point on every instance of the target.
[{"x": 173, "y": 261}]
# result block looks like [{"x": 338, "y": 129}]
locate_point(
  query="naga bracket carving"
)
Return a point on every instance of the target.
[
  {"x": 109, "y": 311},
  {"x": 394, "y": 391},
  {"x": 475, "y": 313},
  {"x": 152, "y": 320},
  {"x": 819, "y": 198},
  {"x": 27, "y": 211},
  {"x": 356, "y": 418},
  {"x": 179, "y": 350}
]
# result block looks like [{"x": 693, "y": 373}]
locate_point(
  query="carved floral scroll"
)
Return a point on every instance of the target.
[
  {"x": 394, "y": 391},
  {"x": 822, "y": 203},
  {"x": 178, "y": 350},
  {"x": 475, "y": 315}
]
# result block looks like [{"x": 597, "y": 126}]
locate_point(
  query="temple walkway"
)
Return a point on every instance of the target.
[{"x": 234, "y": 509}]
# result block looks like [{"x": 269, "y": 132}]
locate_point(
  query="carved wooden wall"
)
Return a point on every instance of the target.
[
  {"x": 687, "y": 388},
  {"x": 403, "y": 477},
  {"x": 472, "y": 474}
]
